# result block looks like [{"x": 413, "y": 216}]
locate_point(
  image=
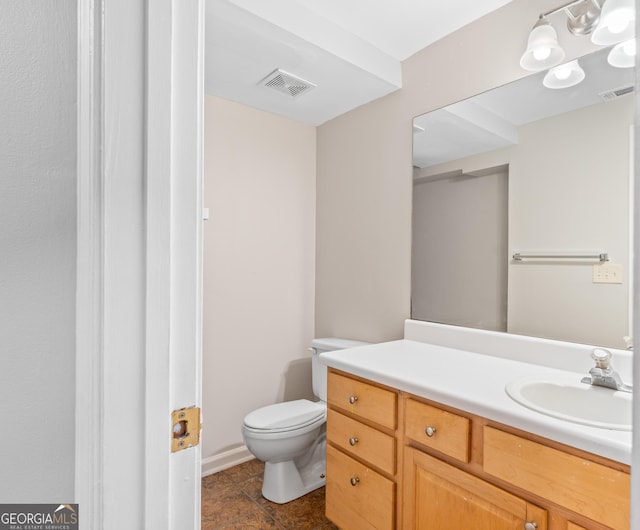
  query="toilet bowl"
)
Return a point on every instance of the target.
[{"x": 290, "y": 437}]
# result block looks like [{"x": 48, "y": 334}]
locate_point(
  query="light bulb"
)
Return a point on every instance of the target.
[
  {"x": 629, "y": 47},
  {"x": 618, "y": 23},
  {"x": 562, "y": 72},
  {"x": 542, "y": 53}
]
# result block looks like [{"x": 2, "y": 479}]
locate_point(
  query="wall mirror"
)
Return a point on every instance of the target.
[{"x": 531, "y": 171}]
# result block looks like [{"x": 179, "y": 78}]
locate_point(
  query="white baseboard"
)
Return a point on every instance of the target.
[{"x": 221, "y": 461}]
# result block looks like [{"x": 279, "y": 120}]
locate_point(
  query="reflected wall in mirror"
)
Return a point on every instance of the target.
[{"x": 524, "y": 168}]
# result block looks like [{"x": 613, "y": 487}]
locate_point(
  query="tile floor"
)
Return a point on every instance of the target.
[{"x": 231, "y": 500}]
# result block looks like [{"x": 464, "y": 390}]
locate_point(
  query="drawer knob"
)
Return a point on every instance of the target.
[
  {"x": 354, "y": 481},
  {"x": 530, "y": 525},
  {"x": 353, "y": 399},
  {"x": 430, "y": 431},
  {"x": 353, "y": 440}
]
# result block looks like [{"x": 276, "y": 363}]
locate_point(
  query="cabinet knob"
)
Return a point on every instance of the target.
[
  {"x": 430, "y": 431},
  {"x": 353, "y": 440},
  {"x": 354, "y": 481},
  {"x": 530, "y": 525},
  {"x": 353, "y": 399}
]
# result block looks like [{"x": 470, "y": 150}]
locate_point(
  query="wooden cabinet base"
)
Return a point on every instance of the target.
[{"x": 396, "y": 460}]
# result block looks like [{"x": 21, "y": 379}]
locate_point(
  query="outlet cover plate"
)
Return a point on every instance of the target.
[{"x": 607, "y": 273}]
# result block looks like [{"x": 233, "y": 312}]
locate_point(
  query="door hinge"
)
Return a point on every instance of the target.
[{"x": 185, "y": 428}]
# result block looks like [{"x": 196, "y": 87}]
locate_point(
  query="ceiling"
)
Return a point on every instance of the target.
[{"x": 350, "y": 52}]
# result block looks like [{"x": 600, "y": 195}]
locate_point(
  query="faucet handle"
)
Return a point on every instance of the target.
[{"x": 602, "y": 357}]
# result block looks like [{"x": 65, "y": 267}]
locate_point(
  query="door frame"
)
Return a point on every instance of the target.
[{"x": 139, "y": 260}]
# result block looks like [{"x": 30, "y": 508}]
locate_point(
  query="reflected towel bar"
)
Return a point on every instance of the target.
[{"x": 602, "y": 256}]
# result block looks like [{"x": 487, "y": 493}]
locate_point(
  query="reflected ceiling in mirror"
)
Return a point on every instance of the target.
[
  {"x": 490, "y": 120},
  {"x": 536, "y": 169}
]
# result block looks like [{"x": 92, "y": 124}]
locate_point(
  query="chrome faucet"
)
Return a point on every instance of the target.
[{"x": 602, "y": 374}]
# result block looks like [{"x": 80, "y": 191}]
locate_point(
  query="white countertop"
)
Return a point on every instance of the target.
[{"x": 474, "y": 382}]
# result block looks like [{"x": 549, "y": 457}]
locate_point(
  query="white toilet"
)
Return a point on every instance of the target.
[{"x": 290, "y": 437}]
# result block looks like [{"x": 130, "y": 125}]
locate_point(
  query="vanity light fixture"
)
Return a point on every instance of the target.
[
  {"x": 564, "y": 75},
  {"x": 543, "y": 50},
  {"x": 617, "y": 22},
  {"x": 623, "y": 55},
  {"x": 607, "y": 21}
]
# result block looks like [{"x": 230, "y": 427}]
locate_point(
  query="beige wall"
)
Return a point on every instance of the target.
[
  {"x": 364, "y": 176},
  {"x": 571, "y": 193},
  {"x": 259, "y": 263}
]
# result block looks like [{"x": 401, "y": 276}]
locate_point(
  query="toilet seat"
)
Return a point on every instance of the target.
[{"x": 287, "y": 416}]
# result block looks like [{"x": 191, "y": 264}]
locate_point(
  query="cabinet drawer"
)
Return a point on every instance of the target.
[
  {"x": 367, "y": 443},
  {"x": 449, "y": 433},
  {"x": 357, "y": 498},
  {"x": 362, "y": 399},
  {"x": 585, "y": 487}
]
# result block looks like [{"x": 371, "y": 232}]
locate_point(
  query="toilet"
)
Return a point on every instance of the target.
[{"x": 290, "y": 437}]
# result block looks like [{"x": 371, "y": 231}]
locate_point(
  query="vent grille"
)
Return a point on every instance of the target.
[
  {"x": 610, "y": 95},
  {"x": 287, "y": 83}
]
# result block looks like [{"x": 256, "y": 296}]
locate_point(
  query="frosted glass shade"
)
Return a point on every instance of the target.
[
  {"x": 617, "y": 22},
  {"x": 564, "y": 76},
  {"x": 623, "y": 55},
  {"x": 543, "y": 50}
]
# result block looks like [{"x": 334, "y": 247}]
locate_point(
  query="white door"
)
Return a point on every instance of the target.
[{"x": 140, "y": 96}]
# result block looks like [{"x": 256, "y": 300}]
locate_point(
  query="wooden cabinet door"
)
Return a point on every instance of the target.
[
  {"x": 574, "y": 526},
  {"x": 439, "y": 496}
]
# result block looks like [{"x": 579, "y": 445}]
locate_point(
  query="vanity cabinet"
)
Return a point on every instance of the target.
[
  {"x": 501, "y": 478},
  {"x": 361, "y": 454},
  {"x": 396, "y": 460}
]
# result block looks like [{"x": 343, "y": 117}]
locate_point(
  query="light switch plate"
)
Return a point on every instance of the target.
[{"x": 607, "y": 273}]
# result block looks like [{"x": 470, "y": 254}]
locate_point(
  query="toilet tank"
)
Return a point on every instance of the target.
[{"x": 319, "y": 370}]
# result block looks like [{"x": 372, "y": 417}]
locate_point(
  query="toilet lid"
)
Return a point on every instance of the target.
[{"x": 287, "y": 415}]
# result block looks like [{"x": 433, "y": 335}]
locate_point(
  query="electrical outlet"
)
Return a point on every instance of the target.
[{"x": 607, "y": 273}]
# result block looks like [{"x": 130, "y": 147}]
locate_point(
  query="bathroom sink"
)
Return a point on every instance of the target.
[{"x": 563, "y": 396}]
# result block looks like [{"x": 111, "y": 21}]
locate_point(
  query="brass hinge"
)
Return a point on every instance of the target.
[{"x": 185, "y": 428}]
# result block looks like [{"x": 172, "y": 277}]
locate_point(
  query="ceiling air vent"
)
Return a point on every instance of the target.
[
  {"x": 610, "y": 95},
  {"x": 286, "y": 83}
]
